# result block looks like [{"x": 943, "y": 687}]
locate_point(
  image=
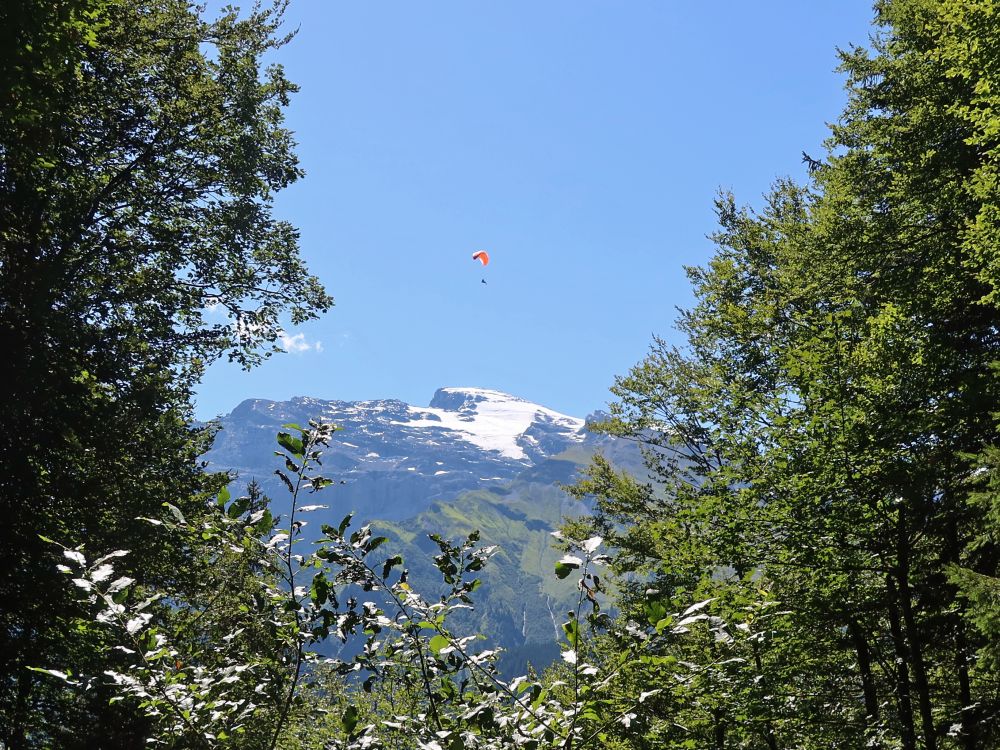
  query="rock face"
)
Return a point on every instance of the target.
[{"x": 396, "y": 459}]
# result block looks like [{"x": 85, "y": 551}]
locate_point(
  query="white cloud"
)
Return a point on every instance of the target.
[{"x": 297, "y": 344}]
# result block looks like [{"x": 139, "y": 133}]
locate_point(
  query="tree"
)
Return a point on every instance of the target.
[
  {"x": 819, "y": 433},
  {"x": 209, "y": 678},
  {"x": 141, "y": 148}
]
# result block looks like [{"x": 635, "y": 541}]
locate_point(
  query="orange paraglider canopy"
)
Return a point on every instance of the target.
[{"x": 482, "y": 256}]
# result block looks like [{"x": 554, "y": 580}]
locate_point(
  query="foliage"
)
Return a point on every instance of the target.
[
  {"x": 205, "y": 679},
  {"x": 141, "y": 146},
  {"x": 819, "y": 436},
  {"x": 822, "y": 452}
]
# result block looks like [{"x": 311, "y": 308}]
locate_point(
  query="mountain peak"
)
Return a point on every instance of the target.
[
  {"x": 396, "y": 452},
  {"x": 457, "y": 399},
  {"x": 496, "y": 421}
]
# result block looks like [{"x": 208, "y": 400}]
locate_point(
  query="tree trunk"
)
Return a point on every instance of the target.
[
  {"x": 953, "y": 554},
  {"x": 719, "y": 730},
  {"x": 904, "y": 705},
  {"x": 968, "y": 710},
  {"x": 864, "y": 656},
  {"x": 19, "y": 726},
  {"x": 902, "y": 574},
  {"x": 769, "y": 738}
]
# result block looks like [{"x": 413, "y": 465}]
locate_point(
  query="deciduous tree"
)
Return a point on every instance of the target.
[
  {"x": 141, "y": 146},
  {"x": 818, "y": 433}
]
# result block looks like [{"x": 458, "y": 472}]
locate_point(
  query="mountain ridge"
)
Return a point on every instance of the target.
[
  {"x": 472, "y": 459},
  {"x": 395, "y": 458}
]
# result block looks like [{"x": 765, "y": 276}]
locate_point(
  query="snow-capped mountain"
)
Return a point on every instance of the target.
[
  {"x": 471, "y": 459},
  {"x": 395, "y": 459}
]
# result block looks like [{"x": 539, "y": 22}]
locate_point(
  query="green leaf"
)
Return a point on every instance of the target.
[
  {"x": 350, "y": 719},
  {"x": 320, "y": 589},
  {"x": 437, "y": 643},
  {"x": 239, "y": 506},
  {"x": 572, "y": 629},
  {"x": 176, "y": 513},
  {"x": 291, "y": 444},
  {"x": 264, "y": 524},
  {"x": 537, "y": 695},
  {"x": 284, "y": 479},
  {"x": 655, "y": 611},
  {"x": 563, "y": 569},
  {"x": 375, "y": 542},
  {"x": 64, "y": 676},
  {"x": 390, "y": 564}
]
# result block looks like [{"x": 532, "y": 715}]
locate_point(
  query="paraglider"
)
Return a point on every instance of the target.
[{"x": 483, "y": 257}]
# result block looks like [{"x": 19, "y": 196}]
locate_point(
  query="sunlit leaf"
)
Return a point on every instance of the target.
[
  {"x": 176, "y": 513},
  {"x": 591, "y": 544},
  {"x": 75, "y": 556},
  {"x": 437, "y": 643},
  {"x": 102, "y": 573},
  {"x": 696, "y": 607}
]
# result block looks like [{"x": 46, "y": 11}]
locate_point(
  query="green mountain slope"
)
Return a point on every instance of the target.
[{"x": 521, "y": 601}]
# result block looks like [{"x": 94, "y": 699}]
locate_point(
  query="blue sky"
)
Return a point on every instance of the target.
[{"x": 580, "y": 142}]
